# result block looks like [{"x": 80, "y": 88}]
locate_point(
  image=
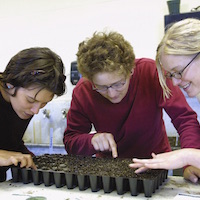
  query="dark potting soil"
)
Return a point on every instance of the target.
[
  {"x": 83, "y": 165},
  {"x": 84, "y": 172}
]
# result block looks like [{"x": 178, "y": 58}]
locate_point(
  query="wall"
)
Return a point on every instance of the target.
[{"x": 62, "y": 24}]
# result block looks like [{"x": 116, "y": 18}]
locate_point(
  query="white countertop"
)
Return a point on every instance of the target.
[{"x": 169, "y": 190}]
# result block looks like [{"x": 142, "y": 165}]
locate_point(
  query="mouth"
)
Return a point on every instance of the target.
[
  {"x": 185, "y": 86},
  {"x": 28, "y": 115}
]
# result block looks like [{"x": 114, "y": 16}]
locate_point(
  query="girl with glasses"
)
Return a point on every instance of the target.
[{"x": 178, "y": 58}]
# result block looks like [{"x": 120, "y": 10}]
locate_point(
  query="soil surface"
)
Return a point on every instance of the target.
[{"x": 83, "y": 165}]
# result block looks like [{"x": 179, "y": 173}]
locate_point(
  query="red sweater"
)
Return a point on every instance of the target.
[{"x": 136, "y": 122}]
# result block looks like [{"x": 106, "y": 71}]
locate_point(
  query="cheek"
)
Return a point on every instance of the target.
[
  {"x": 19, "y": 102},
  {"x": 195, "y": 80},
  {"x": 124, "y": 92},
  {"x": 192, "y": 75}
]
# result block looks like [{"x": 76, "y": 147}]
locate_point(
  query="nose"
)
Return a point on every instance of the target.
[
  {"x": 111, "y": 92},
  {"x": 176, "y": 81},
  {"x": 35, "y": 108}
]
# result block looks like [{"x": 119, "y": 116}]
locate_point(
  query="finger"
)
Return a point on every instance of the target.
[
  {"x": 197, "y": 172},
  {"x": 34, "y": 166},
  {"x": 31, "y": 164},
  {"x": 114, "y": 150},
  {"x": 153, "y": 155},
  {"x": 136, "y": 165},
  {"x": 96, "y": 146},
  {"x": 193, "y": 178},
  {"x": 100, "y": 142},
  {"x": 142, "y": 161},
  {"x": 23, "y": 162},
  {"x": 155, "y": 166},
  {"x": 104, "y": 145},
  {"x": 14, "y": 160},
  {"x": 136, "y": 160},
  {"x": 191, "y": 173},
  {"x": 113, "y": 146},
  {"x": 29, "y": 160},
  {"x": 140, "y": 170}
]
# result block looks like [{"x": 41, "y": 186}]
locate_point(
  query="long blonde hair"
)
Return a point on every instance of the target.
[{"x": 181, "y": 38}]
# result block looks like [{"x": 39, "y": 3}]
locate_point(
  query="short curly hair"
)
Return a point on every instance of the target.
[{"x": 105, "y": 52}]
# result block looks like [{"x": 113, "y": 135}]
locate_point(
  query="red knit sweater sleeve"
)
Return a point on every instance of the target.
[{"x": 78, "y": 126}]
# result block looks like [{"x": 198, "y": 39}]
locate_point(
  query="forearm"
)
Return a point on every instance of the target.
[{"x": 79, "y": 144}]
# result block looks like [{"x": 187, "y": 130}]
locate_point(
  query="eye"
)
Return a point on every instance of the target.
[
  {"x": 30, "y": 100},
  {"x": 43, "y": 105},
  {"x": 100, "y": 87},
  {"x": 117, "y": 84},
  {"x": 168, "y": 75},
  {"x": 180, "y": 73}
]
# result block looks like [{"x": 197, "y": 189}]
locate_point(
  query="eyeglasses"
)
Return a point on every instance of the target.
[
  {"x": 178, "y": 75},
  {"x": 104, "y": 88}
]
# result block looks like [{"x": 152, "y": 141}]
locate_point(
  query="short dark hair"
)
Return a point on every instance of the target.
[{"x": 35, "y": 66}]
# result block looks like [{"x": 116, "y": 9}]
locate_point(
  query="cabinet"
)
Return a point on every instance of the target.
[{"x": 173, "y": 18}]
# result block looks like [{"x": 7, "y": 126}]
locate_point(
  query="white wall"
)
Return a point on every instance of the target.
[{"x": 62, "y": 24}]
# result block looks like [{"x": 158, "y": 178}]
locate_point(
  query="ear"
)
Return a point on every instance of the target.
[
  {"x": 132, "y": 70},
  {"x": 9, "y": 86}
]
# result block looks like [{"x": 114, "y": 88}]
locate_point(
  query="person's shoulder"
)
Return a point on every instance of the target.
[
  {"x": 145, "y": 65},
  {"x": 83, "y": 84},
  {"x": 144, "y": 61},
  {"x": 83, "y": 81}
]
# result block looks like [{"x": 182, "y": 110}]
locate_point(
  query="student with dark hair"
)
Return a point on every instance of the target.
[{"x": 30, "y": 80}]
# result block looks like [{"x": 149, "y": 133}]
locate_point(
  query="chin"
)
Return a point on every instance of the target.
[
  {"x": 116, "y": 101},
  {"x": 21, "y": 116},
  {"x": 193, "y": 94},
  {"x": 24, "y": 117}
]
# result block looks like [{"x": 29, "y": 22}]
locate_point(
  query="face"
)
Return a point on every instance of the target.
[
  {"x": 116, "y": 85},
  {"x": 189, "y": 81},
  {"x": 28, "y": 101}
]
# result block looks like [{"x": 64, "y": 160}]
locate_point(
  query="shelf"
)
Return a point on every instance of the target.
[{"x": 177, "y": 17}]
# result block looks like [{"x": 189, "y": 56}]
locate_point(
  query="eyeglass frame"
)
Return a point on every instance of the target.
[
  {"x": 105, "y": 89},
  {"x": 178, "y": 75}
]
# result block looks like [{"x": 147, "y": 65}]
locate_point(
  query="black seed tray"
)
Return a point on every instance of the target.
[{"x": 88, "y": 172}]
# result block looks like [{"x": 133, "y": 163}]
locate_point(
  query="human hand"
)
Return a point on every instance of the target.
[
  {"x": 10, "y": 157},
  {"x": 168, "y": 160},
  {"x": 192, "y": 174},
  {"x": 105, "y": 142}
]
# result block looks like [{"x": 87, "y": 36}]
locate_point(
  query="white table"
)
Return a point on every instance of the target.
[{"x": 168, "y": 190}]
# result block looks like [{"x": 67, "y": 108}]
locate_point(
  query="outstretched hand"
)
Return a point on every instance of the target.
[{"x": 168, "y": 160}]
